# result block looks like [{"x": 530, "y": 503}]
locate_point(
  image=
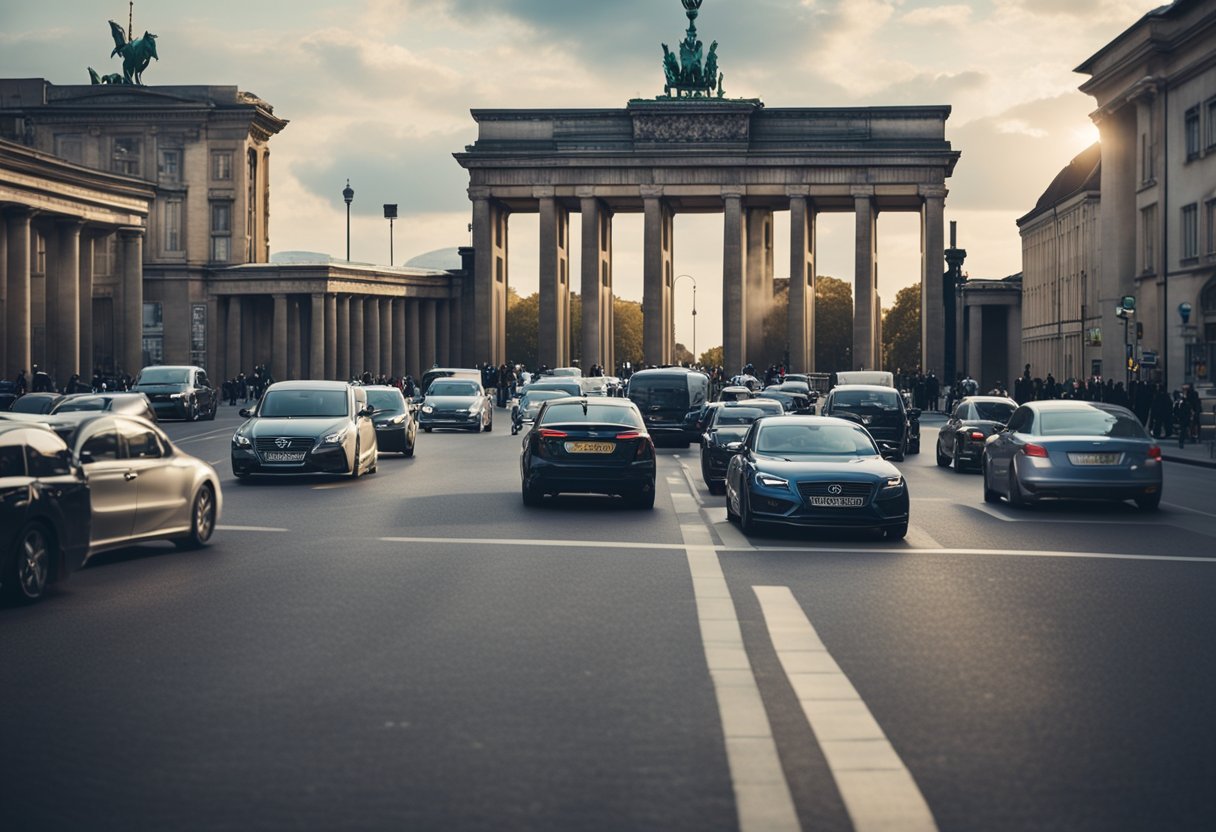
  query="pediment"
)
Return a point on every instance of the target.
[{"x": 105, "y": 95}]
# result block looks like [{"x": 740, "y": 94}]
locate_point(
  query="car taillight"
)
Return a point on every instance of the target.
[
  {"x": 645, "y": 448},
  {"x": 976, "y": 435},
  {"x": 630, "y": 435},
  {"x": 1036, "y": 451},
  {"x": 553, "y": 434},
  {"x": 1154, "y": 453}
]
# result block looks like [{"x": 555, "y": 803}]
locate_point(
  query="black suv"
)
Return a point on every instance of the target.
[
  {"x": 882, "y": 412},
  {"x": 178, "y": 392}
]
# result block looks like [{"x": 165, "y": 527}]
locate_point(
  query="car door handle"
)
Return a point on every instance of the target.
[{"x": 130, "y": 476}]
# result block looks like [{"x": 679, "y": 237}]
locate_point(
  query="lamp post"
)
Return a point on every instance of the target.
[
  {"x": 390, "y": 214},
  {"x": 348, "y": 194},
  {"x": 694, "y": 313}
]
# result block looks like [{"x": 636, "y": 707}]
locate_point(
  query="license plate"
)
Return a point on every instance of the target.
[
  {"x": 837, "y": 502},
  {"x": 283, "y": 457},
  {"x": 590, "y": 447},
  {"x": 1095, "y": 459}
]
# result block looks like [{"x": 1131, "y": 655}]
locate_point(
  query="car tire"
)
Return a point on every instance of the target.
[
  {"x": 1015, "y": 490},
  {"x": 897, "y": 532},
  {"x": 731, "y": 517},
  {"x": 192, "y": 416},
  {"x": 914, "y": 448},
  {"x": 1149, "y": 502},
  {"x": 30, "y": 573},
  {"x": 490, "y": 424},
  {"x": 957, "y": 461},
  {"x": 644, "y": 499},
  {"x": 410, "y": 447},
  {"x": 747, "y": 523},
  {"x": 943, "y": 461},
  {"x": 427, "y": 430},
  {"x": 533, "y": 498},
  {"x": 202, "y": 520},
  {"x": 356, "y": 468}
]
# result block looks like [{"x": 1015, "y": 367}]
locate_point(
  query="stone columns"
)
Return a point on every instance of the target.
[
  {"x": 443, "y": 334},
  {"x": 429, "y": 326},
  {"x": 358, "y": 358},
  {"x": 278, "y": 361},
  {"x": 132, "y": 244},
  {"x": 413, "y": 338},
  {"x": 759, "y": 284},
  {"x": 371, "y": 340},
  {"x": 1013, "y": 345},
  {"x": 456, "y": 338},
  {"x": 657, "y": 266},
  {"x": 215, "y": 344},
  {"x": 553, "y": 330},
  {"x": 490, "y": 221},
  {"x": 933, "y": 303},
  {"x": 734, "y": 297},
  {"x": 6, "y": 372},
  {"x": 18, "y": 325},
  {"x": 596, "y": 282},
  {"x": 975, "y": 344},
  {"x": 318, "y": 339},
  {"x": 329, "y": 367},
  {"x": 295, "y": 340},
  {"x": 865, "y": 283},
  {"x": 400, "y": 365},
  {"x": 342, "y": 370},
  {"x": 801, "y": 325},
  {"x": 386, "y": 336},
  {"x": 86, "y": 307},
  {"x": 63, "y": 332},
  {"x": 235, "y": 327}
]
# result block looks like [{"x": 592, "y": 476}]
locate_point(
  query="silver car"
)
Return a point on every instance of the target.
[
  {"x": 1072, "y": 450},
  {"x": 142, "y": 487}
]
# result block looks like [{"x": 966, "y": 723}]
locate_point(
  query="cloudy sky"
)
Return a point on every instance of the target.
[{"x": 380, "y": 91}]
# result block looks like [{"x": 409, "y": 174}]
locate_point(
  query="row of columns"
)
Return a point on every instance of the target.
[
  {"x": 68, "y": 304},
  {"x": 338, "y": 336},
  {"x": 748, "y": 272}
]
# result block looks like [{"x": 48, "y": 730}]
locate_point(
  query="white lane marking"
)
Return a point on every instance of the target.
[
  {"x": 1189, "y": 510},
  {"x": 1055, "y": 521},
  {"x": 878, "y": 790},
  {"x": 248, "y": 529},
  {"x": 217, "y": 462},
  {"x": 762, "y": 793},
  {"x": 553, "y": 544},
  {"x": 201, "y": 436}
]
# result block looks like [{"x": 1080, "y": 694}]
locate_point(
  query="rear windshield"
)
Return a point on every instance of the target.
[
  {"x": 304, "y": 404},
  {"x": 453, "y": 388},
  {"x": 566, "y": 389},
  {"x": 164, "y": 375},
  {"x": 574, "y": 413},
  {"x": 666, "y": 393},
  {"x": 816, "y": 440},
  {"x": 535, "y": 397},
  {"x": 386, "y": 401},
  {"x": 866, "y": 400},
  {"x": 83, "y": 405},
  {"x": 737, "y": 416},
  {"x": 1090, "y": 422},
  {"x": 32, "y": 404},
  {"x": 993, "y": 411}
]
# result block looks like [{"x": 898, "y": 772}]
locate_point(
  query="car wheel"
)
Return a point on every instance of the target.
[
  {"x": 490, "y": 424},
  {"x": 899, "y": 457},
  {"x": 1015, "y": 490},
  {"x": 957, "y": 461},
  {"x": 943, "y": 460},
  {"x": 215, "y": 409},
  {"x": 731, "y": 517},
  {"x": 897, "y": 532},
  {"x": 356, "y": 468},
  {"x": 410, "y": 446},
  {"x": 31, "y": 570},
  {"x": 1149, "y": 502},
  {"x": 717, "y": 488},
  {"x": 202, "y": 520},
  {"x": 990, "y": 496},
  {"x": 192, "y": 416},
  {"x": 533, "y": 497},
  {"x": 747, "y": 523},
  {"x": 644, "y": 499},
  {"x": 914, "y": 448},
  {"x": 427, "y": 430}
]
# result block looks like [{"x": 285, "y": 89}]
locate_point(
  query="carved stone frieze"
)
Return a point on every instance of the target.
[{"x": 691, "y": 128}]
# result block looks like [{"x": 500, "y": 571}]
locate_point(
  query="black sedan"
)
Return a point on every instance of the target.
[
  {"x": 727, "y": 426},
  {"x": 528, "y": 405},
  {"x": 961, "y": 440},
  {"x": 882, "y": 412},
  {"x": 44, "y": 511},
  {"x": 812, "y": 471},
  {"x": 589, "y": 446},
  {"x": 795, "y": 402},
  {"x": 38, "y": 403},
  {"x": 179, "y": 392},
  {"x": 456, "y": 403},
  {"x": 396, "y": 427}
]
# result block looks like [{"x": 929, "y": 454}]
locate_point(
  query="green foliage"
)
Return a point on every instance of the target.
[
  {"x": 627, "y": 331},
  {"x": 901, "y": 331},
  {"x": 833, "y": 326},
  {"x": 683, "y": 355},
  {"x": 523, "y": 316},
  {"x": 715, "y": 357}
]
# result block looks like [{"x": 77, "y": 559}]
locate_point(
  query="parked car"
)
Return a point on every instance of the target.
[
  {"x": 589, "y": 446},
  {"x": 1073, "y": 450},
  {"x": 44, "y": 511},
  {"x": 128, "y": 404},
  {"x": 727, "y": 426},
  {"x": 307, "y": 427},
  {"x": 812, "y": 471},
  {"x": 881, "y": 411},
  {"x": 179, "y": 392},
  {"x": 961, "y": 440},
  {"x": 396, "y": 427},
  {"x": 457, "y": 403},
  {"x": 36, "y": 403}
]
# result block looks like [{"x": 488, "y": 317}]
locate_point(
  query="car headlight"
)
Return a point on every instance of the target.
[
  {"x": 893, "y": 485},
  {"x": 240, "y": 440},
  {"x": 177, "y": 397},
  {"x": 334, "y": 438},
  {"x": 475, "y": 408},
  {"x": 769, "y": 481},
  {"x": 399, "y": 420},
  {"x": 426, "y": 408}
]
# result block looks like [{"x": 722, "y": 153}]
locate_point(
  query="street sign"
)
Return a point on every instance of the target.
[
  {"x": 1129, "y": 303},
  {"x": 1148, "y": 358}
]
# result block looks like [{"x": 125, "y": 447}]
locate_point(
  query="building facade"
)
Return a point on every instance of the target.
[
  {"x": 989, "y": 330},
  {"x": 1155, "y": 86}
]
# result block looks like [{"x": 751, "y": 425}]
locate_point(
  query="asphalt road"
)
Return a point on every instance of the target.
[{"x": 418, "y": 651}]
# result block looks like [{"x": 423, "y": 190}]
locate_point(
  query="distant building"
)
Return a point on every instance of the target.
[
  {"x": 1155, "y": 86},
  {"x": 990, "y": 331},
  {"x": 1061, "y": 318}
]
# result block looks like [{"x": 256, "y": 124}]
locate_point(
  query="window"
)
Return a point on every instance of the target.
[
  {"x": 173, "y": 225},
  {"x": 128, "y": 153},
  {"x": 71, "y": 147},
  {"x": 1190, "y": 231},
  {"x": 141, "y": 442},
  {"x": 12, "y": 461},
  {"x": 40, "y": 254},
  {"x": 171, "y": 165},
  {"x": 1211, "y": 229},
  {"x": 221, "y": 231},
  {"x": 46, "y": 455},
  {"x": 1192, "y": 133},
  {"x": 221, "y": 249},
  {"x": 221, "y": 167},
  {"x": 1148, "y": 238},
  {"x": 1148, "y": 159},
  {"x": 103, "y": 447},
  {"x": 153, "y": 334}
]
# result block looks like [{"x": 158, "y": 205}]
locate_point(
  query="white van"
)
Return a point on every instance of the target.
[{"x": 874, "y": 377}]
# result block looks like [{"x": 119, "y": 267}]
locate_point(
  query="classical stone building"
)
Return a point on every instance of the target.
[
  {"x": 1155, "y": 86},
  {"x": 210, "y": 296},
  {"x": 990, "y": 331},
  {"x": 1061, "y": 315}
]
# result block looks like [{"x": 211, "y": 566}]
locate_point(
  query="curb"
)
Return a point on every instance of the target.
[{"x": 1194, "y": 463}]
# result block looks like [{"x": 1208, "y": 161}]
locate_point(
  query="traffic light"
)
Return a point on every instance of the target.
[{"x": 1139, "y": 331}]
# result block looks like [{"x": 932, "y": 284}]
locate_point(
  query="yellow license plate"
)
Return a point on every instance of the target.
[{"x": 590, "y": 447}]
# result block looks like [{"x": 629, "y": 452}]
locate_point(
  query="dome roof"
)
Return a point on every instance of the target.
[{"x": 442, "y": 260}]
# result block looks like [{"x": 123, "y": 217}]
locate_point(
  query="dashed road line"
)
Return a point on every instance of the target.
[
  {"x": 250, "y": 529},
  {"x": 877, "y": 788}
]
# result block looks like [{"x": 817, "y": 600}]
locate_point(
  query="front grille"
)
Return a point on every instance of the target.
[
  {"x": 847, "y": 489},
  {"x": 296, "y": 443}
]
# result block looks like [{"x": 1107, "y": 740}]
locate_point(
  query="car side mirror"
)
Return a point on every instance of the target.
[
  {"x": 914, "y": 413},
  {"x": 368, "y": 410},
  {"x": 246, "y": 413},
  {"x": 417, "y": 399},
  {"x": 735, "y": 447}
]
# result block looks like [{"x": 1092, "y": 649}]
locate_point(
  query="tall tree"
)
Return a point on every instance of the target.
[
  {"x": 627, "y": 332},
  {"x": 833, "y": 325},
  {"x": 522, "y": 317},
  {"x": 712, "y": 358},
  {"x": 901, "y": 331}
]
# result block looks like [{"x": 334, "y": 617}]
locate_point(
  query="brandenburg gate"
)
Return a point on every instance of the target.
[{"x": 693, "y": 150}]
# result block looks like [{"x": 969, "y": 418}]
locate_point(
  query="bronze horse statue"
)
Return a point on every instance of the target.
[{"x": 136, "y": 54}]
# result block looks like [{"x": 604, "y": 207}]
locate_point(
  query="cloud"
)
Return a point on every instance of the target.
[{"x": 953, "y": 15}]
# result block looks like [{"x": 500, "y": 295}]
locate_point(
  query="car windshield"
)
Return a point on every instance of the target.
[
  {"x": 729, "y": 416},
  {"x": 164, "y": 375},
  {"x": 1090, "y": 422},
  {"x": 83, "y": 405},
  {"x": 304, "y": 404},
  {"x": 866, "y": 400},
  {"x": 32, "y": 404},
  {"x": 533, "y": 399},
  {"x": 386, "y": 401},
  {"x": 575, "y": 413},
  {"x": 994, "y": 411},
  {"x": 814, "y": 440},
  {"x": 453, "y": 388},
  {"x": 665, "y": 394},
  {"x": 562, "y": 390}
]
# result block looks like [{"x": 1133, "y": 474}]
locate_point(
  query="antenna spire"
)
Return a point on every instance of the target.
[{"x": 131, "y": 20}]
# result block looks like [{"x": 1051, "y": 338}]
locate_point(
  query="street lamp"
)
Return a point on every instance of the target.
[
  {"x": 694, "y": 313},
  {"x": 349, "y": 195},
  {"x": 390, "y": 214}
]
